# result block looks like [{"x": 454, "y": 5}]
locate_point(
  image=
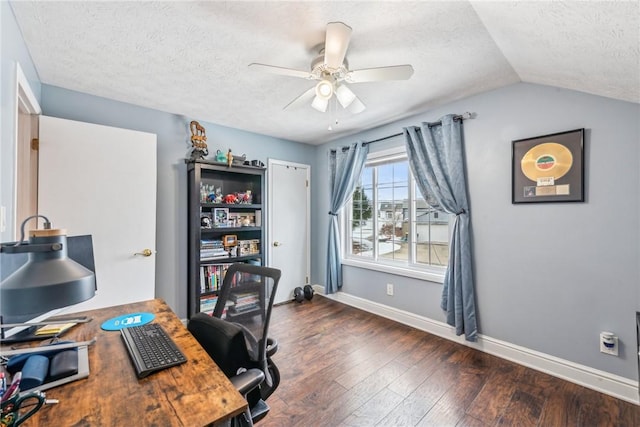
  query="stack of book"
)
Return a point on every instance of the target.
[
  {"x": 212, "y": 249},
  {"x": 208, "y": 303},
  {"x": 244, "y": 303}
]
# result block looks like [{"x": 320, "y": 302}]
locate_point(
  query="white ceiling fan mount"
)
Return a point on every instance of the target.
[
  {"x": 319, "y": 68},
  {"x": 331, "y": 69}
]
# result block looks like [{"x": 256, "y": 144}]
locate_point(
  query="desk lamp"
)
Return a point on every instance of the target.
[{"x": 48, "y": 280}]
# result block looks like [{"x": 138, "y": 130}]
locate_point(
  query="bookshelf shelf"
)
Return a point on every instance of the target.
[
  {"x": 226, "y": 230},
  {"x": 229, "y": 259}
]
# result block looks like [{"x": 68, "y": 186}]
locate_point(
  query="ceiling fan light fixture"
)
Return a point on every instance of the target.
[
  {"x": 320, "y": 104},
  {"x": 324, "y": 89},
  {"x": 345, "y": 96}
]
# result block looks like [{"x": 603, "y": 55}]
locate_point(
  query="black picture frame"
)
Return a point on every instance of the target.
[{"x": 548, "y": 168}]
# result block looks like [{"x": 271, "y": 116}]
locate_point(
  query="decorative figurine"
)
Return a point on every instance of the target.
[
  {"x": 230, "y": 199},
  {"x": 229, "y": 158},
  {"x": 221, "y": 157},
  {"x": 214, "y": 195},
  {"x": 199, "y": 148},
  {"x": 247, "y": 197}
]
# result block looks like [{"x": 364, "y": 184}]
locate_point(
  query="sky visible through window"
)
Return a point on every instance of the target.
[{"x": 392, "y": 181}]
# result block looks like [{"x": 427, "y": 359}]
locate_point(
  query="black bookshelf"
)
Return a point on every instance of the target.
[{"x": 212, "y": 222}]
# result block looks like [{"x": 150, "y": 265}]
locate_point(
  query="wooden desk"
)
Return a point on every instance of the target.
[{"x": 195, "y": 393}]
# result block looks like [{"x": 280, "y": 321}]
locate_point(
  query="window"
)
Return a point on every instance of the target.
[{"x": 388, "y": 225}]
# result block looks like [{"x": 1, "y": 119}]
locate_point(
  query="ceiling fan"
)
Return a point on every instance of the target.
[{"x": 331, "y": 69}]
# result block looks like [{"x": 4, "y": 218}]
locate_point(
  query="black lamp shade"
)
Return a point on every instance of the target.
[{"x": 48, "y": 280}]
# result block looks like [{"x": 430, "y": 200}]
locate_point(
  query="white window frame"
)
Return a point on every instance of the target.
[{"x": 430, "y": 273}]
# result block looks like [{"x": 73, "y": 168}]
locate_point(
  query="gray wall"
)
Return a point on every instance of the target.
[
  {"x": 549, "y": 277},
  {"x": 173, "y": 144},
  {"x": 13, "y": 50}
]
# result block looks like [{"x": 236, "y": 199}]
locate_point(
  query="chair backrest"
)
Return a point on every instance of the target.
[{"x": 246, "y": 299}]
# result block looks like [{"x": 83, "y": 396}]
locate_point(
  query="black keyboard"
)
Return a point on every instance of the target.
[{"x": 151, "y": 349}]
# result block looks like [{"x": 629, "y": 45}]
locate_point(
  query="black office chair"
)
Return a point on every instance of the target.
[{"x": 236, "y": 336}]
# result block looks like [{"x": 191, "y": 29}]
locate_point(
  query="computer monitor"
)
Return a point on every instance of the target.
[{"x": 79, "y": 249}]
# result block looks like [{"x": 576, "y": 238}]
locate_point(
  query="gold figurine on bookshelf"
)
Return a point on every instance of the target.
[{"x": 199, "y": 148}]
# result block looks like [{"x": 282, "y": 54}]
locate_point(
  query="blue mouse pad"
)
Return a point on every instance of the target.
[{"x": 126, "y": 320}]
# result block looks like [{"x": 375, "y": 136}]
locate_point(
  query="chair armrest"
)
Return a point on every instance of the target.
[
  {"x": 272, "y": 346},
  {"x": 248, "y": 380}
]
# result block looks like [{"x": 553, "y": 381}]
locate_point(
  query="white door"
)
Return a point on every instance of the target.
[
  {"x": 101, "y": 181},
  {"x": 26, "y": 165},
  {"x": 289, "y": 234}
]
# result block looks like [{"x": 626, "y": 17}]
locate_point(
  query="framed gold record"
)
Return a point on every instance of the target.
[
  {"x": 548, "y": 168},
  {"x": 548, "y": 159}
]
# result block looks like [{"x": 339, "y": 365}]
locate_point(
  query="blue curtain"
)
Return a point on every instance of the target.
[
  {"x": 345, "y": 167},
  {"x": 437, "y": 161}
]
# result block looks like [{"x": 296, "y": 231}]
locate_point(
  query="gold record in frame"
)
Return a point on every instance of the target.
[{"x": 547, "y": 160}]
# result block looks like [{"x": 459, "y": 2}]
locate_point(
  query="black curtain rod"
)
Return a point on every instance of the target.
[{"x": 460, "y": 117}]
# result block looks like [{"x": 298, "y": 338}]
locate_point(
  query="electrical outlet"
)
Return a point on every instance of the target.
[
  {"x": 389, "y": 288},
  {"x": 608, "y": 343}
]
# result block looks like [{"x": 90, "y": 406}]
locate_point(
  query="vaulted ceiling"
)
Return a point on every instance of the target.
[{"x": 191, "y": 58}]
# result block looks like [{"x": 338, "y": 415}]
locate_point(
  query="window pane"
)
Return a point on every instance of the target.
[
  {"x": 431, "y": 234},
  {"x": 393, "y": 204},
  {"x": 361, "y": 216}
]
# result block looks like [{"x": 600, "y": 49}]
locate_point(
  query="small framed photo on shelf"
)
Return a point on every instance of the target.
[
  {"x": 229, "y": 240},
  {"x": 548, "y": 168},
  {"x": 220, "y": 217}
]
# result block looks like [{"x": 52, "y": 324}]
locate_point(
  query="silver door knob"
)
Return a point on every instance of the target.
[{"x": 277, "y": 244}]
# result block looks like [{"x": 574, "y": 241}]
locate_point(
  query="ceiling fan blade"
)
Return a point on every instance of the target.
[
  {"x": 320, "y": 104},
  {"x": 281, "y": 71},
  {"x": 336, "y": 44},
  {"x": 394, "y": 72},
  {"x": 302, "y": 99},
  {"x": 356, "y": 106}
]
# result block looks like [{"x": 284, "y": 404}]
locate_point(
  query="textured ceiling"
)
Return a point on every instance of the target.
[{"x": 190, "y": 58}]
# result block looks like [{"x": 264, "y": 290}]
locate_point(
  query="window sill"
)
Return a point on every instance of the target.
[{"x": 431, "y": 276}]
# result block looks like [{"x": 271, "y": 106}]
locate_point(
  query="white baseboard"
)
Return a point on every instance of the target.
[{"x": 601, "y": 381}]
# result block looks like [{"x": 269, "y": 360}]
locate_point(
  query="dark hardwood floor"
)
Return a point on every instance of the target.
[{"x": 342, "y": 366}]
